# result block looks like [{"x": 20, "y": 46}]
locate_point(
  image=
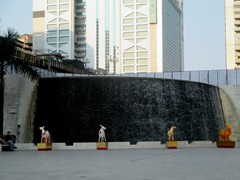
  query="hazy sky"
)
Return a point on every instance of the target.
[{"x": 204, "y": 31}]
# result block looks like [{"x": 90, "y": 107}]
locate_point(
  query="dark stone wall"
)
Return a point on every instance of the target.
[{"x": 132, "y": 109}]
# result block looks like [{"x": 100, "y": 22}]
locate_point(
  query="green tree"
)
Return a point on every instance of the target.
[{"x": 7, "y": 60}]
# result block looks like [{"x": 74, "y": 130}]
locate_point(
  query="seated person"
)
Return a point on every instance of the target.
[{"x": 9, "y": 139}]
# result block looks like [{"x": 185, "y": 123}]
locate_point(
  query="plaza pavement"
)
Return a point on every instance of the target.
[{"x": 122, "y": 164}]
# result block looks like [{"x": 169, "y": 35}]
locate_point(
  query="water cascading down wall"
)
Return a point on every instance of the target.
[{"x": 132, "y": 109}]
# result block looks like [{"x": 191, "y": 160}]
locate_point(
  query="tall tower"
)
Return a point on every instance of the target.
[
  {"x": 232, "y": 30},
  {"x": 151, "y": 37},
  {"x": 117, "y": 36},
  {"x": 53, "y": 27},
  {"x": 102, "y": 23}
]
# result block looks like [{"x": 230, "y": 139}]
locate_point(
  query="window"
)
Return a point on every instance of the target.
[
  {"x": 52, "y": 7},
  {"x": 128, "y": 61},
  {"x": 51, "y": 33},
  {"x": 64, "y": 26},
  {"x": 63, "y": 1},
  {"x": 51, "y": 39},
  {"x": 63, "y": 32},
  {"x": 51, "y": 1},
  {"x": 128, "y": 68},
  {"x": 64, "y": 38},
  {"x": 51, "y": 26},
  {"x": 64, "y": 6}
]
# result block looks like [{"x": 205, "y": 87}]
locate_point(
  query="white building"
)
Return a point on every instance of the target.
[
  {"x": 119, "y": 36},
  {"x": 232, "y": 33}
]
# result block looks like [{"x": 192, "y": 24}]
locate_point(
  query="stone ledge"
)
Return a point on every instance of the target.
[{"x": 123, "y": 145}]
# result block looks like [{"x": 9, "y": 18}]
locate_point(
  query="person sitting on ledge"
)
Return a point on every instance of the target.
[{"x": 10, "y": 141}]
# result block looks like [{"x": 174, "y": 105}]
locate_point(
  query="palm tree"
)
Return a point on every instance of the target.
[{"x": 7, "y": 50}]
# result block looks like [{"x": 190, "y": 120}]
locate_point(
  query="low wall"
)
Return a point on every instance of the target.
[{"x": 122, "y": 145}]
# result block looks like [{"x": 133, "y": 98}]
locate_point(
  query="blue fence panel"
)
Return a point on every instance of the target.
[
  {"x": 158, "y": 75},
  {"x": 177, "y": 75},
  {"x": 213, "y": 77},
  {"x": 168, "y": 75},
  {"x": 204, "y": 77},
  {"x": 186, "y": 75},
  {"x": 222, "y": 77},
  {"x": 142, "y": 74},
  {"x": 151, "y": 75},
  {"x": 195, "y": 76}
]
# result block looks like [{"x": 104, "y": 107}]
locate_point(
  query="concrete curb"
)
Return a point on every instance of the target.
[{"x": 123, "y": 145}]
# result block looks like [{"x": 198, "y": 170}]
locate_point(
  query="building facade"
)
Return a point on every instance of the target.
[
  {"x": 116, "y": 36},
  {"x": 232, "y": 30}
]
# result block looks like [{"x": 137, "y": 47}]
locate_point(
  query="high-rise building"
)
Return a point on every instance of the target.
[
  {"x": 232, "y": 33},
  {"x": 118, "y": 36}
]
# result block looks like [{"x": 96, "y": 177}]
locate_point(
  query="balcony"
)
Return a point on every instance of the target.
[
  {"x": 80, "y": 18},
  {"x": 236, "y": 15},
  {"x": 237, "y": 29},
  {"x": 237, "y": 60},
  {"x": 237, "y": 48}
]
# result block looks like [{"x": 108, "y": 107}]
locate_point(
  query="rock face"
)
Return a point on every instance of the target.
[{"x": 132, "y": 109}]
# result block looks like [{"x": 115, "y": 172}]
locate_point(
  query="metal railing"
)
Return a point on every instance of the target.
[{"x": 212, "y": 77}]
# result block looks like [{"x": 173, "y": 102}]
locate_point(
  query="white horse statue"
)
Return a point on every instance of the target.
[
  {"x": 46, "y": 138},
  {"x": 101, "y": 134},
  {"x": 171, "y": 133}
]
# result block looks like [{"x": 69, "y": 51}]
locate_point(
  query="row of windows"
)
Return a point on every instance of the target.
[
  {"x": 57, "y": 1},
  {"x": 80, "y": 52},
  {"x": 138, "y": 34},
  {"x": 80, "y": 13},
  {"x": 81, "y": 39},
  {"x": 138, "y": 27},
  {"x": 133, "y": 1},
  {"x": 132, "y": 61},
  {"x": 80, "y": 45},
  {"x": 132, "y": 54},
  {"x": 132, "y": 40},
  {"x": 55, "y": 45},
  {"x": 55, "y": 26},
  {"x": 138, "y": 20},
  {"x": 80, "y": 1},
  {"x": 138, "y": 68},
  {"x": 236, "y": 6},
  {"x": 80, "y": 26},
  {"x": 60, "y": 39},
  {"x": 80, "y": 7},
  {"x": 55, "y": 32},
  {"x": 60, "y": 6},
  {"x": 55, "y": 13}
]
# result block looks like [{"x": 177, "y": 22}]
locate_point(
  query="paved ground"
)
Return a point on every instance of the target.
[{"x": 128, "y": 164}]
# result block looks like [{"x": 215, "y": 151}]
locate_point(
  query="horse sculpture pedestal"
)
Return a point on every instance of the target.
[
  {"x": 44, "y": 146},
  {"x": 102, "y": 145},
  {"x": 225, "y": 144},
  {"x": 171, "y": 144}
]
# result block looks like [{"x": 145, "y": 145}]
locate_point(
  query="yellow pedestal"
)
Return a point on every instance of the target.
[
  {"x": 102, "y": 145},
  {"x": 225, "y": 144},
  {"x": 171, "y": 144},
  {"x": 44, "y": 146}
]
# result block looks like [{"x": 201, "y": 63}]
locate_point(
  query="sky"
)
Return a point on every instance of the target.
[{"x": 204, "y": 30}]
